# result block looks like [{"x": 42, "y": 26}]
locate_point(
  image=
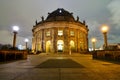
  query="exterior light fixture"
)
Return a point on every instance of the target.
[
  {"x": 93, "y": 40},
  {"x": 104, "y": 30},
  {"x": 15, "y": 30},
  {"x": 26, "y": 42}
]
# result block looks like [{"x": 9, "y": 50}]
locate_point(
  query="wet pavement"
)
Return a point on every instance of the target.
[{"x": 59, "y": 67}]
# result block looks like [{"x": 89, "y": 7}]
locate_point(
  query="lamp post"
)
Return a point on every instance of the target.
[
  {"x": 15, "y": 30},
  {"x": 26, "y": 42},
  {"x": 104, "y": 31},
  {"x": 93, "y": 40}
]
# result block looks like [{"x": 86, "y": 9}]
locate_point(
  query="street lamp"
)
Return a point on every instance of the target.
[
  {"x": 93, "y": 40},
  {"x": 104, "y": 30},
  {"x": 26, "y": 41},
  {"x": 15, "y": 30}
]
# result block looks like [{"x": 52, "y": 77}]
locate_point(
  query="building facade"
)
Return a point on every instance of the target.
[{"x": 60, "y": 32}]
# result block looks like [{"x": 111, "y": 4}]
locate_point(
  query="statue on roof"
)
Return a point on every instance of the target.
[
  {"x": 84, "y": 22},
  {"x": 42, "y": 18},
  {"x": 36, "y": 22},
  {"x": 77, "y": 18}
]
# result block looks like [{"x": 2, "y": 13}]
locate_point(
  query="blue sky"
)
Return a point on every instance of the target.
[{"x": 24, "y": 13}]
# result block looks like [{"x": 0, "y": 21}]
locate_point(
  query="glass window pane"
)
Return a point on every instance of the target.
[
  {"x": 60, "y": 32},
  {"x": 48, "y": 33},
  {"x": 72, "y": 33}
]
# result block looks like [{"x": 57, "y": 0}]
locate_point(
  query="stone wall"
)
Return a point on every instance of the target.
[
  {"x": 107, "y": 54},
  {"x": 7, "y": 55}
]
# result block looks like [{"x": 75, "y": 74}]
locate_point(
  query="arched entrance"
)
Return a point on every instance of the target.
[
  {"x": 60, "y": 45},
  {"x": 72, "y": 46},
  {"x": 48, "y": 43}
]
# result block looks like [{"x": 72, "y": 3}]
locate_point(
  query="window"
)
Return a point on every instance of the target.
[
  {"x": 60, "y": 45},
  {"x": 81, "y": 34},
  {"x": 72, "y": 33},
  {"x": 48, "y": 33},
  {"x": 60, "y": 32}
]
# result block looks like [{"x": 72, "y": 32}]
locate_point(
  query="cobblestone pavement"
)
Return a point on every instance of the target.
[{"x": 59, "y": 67}]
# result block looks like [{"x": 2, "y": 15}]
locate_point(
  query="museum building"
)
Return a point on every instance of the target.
[{"x": 60, "y": 33}]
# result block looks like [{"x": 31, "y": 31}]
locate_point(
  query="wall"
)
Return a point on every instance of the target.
[
  {"x": 7, "y": 55},
  {"x": 107, "y": 54}
]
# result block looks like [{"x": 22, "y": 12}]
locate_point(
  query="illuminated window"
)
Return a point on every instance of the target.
[
  {"x": 60, "y": 32},
  {"x": 72, "y": 45},
  {"x": 60, "y": 45},
  {"x": 48, "y": 33},
  {"x": 72, "y": 33}
]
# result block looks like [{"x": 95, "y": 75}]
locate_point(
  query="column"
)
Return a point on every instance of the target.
[{"x": 66, "y": 40}]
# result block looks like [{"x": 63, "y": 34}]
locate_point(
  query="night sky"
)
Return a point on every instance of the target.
[{"x": 24, "y": 13}]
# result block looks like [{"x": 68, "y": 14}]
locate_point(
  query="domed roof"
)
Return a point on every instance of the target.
[{"x": 60, "y": 15}]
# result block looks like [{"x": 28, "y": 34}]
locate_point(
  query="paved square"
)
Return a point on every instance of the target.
[{"x": 59, "y": 67}]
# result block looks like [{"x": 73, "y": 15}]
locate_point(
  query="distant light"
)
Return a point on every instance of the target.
[
  {"x": 93, "y": 40},
  {"x": 26, "y": 40},
  {"x": 15, "y": 28},
  {"x": 60, "y": 11},
  {"x": 20, "y": 47},
  {"x": 90, "y": 49}
]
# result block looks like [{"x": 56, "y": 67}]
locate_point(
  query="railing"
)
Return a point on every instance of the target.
[{"x": 7, "y": 55}]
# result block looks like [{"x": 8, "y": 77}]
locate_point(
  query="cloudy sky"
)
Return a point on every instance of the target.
[{"x": 24, "y": 13}]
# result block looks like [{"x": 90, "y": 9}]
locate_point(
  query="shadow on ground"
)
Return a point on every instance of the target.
[{"x": 60, "y": 63}]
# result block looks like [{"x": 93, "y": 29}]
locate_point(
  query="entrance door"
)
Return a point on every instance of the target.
[
  {"x": 60, "y": 45},
  {"x": 48, "y": 43},
  {"x": 72, "y": 46}
]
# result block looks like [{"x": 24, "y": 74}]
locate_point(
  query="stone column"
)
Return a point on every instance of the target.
[
  {"x": 33, "y": 44},
  {"x": 105, "y": 39},
  {"x": 66, "y": 40},
  {"x": 54, "y": 40},
  {"x": 87, "y": 42},
  {"x": 79, "y": 40},
  {"x": 43, "y": 41},
  {"x": 77, "y": 37},
  {"x": 37, "y": 41},
  {"x": 14, "y": 39}
]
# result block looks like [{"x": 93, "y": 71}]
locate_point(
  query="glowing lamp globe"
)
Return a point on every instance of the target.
[
  {"x": 104, "y": 29},
  {"x": 15, "y": 28},
  {"x": 26, "y": 40},
  {"x": 93, "y": 40}
]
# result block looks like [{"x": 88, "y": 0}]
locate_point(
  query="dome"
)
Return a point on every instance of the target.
[{"x": 60, "y": 15}]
